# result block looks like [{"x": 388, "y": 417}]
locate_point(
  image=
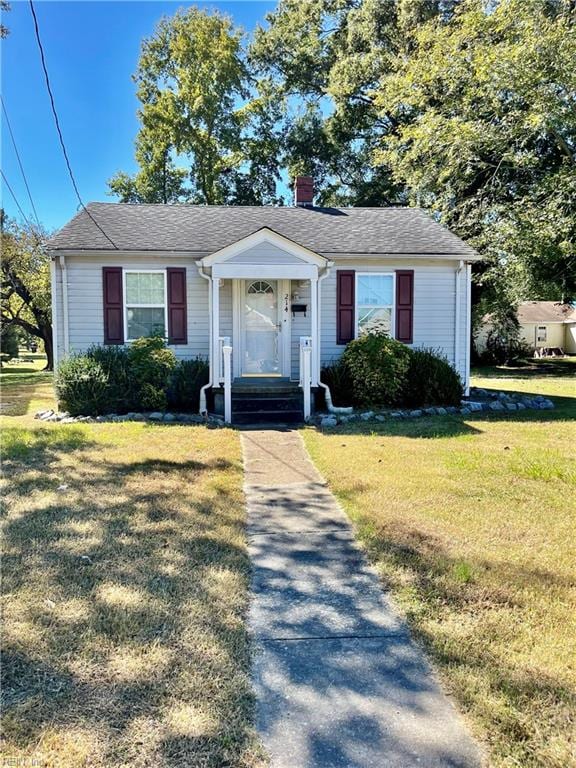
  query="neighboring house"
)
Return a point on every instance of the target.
[
  {"x": 544, "y": 326},
  {"x": 286, "y": 288}
]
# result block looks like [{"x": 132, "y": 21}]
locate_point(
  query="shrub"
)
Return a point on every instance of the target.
[
  {"x": 431, "y": 380},
  {"x": 115, "y": 362},
  {"x": 8, "y": 342},
  {"x": 82, "y": 386},
  {"x": 151, "y": 362},
  {"x": 503, "y": 350},
  {"x": 377, "y": 366},
  {"x": 188, "y": 378},
  {"x": 152, "y": 398},
  {"x": 337, "y": 377}
]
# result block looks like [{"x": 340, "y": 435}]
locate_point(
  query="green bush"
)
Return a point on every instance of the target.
[
  {"x": 188, "y": 378},
  {"x": 152, "y": 398},
  {"x": 151, "y": 362},
  {"x": 82, "y": 386},
  {"x": 337, "y": 377},
  {"x": 8, "y": 342},
  {"x": 115, "y": 362},
  {"x": 431, "y": 380},
  {"x": 377, "y": 366}
]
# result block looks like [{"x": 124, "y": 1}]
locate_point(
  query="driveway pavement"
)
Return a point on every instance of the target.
[{"x": 339, "y": 683}]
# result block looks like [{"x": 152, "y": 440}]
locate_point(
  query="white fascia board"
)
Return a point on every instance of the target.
[
  {"x": 271, "y": 271},
  {"x": 264, "y": 235}
]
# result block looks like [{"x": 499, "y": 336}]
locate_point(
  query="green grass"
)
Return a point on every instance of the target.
[
  {"x": 470, "y": 522},
  {"x": 125, "y": 593}
]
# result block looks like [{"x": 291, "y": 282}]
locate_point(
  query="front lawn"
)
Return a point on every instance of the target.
[
  {"x": 470, "y": 521},
  {"x": 125, "y": 591}
]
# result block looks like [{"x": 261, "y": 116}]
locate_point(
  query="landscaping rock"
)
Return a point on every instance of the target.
[
  {"x": 380, "y": 418},
  {"x": 155, "y": 416},
  {"x": 451, "y": 409},
  {"x": 45, "y": 415},
  {"x": 367, "y": 416},
  {"x": 329, "y": 421},
  {"x": 465, "y": 411},
  {"x": 396, "y": 414},
  {"x": 169, "y": 417},
  {"x": 441, "y": 411},
  {"x": 430, "y": 411},
  {"x": 415, "y": 413},
  {"x": 496, "y": 406},
  {"x": 474, "y": 406},
  {"x": 546, "y": 404},
  {"x": 521, "y": 406},
  {"x": 511, "y": 406}
]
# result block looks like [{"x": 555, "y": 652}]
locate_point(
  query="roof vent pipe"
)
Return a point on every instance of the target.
[{"x": 304, "y": 191}]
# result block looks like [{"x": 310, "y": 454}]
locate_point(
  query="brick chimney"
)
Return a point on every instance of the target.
[{"x": 304, "y": 191}]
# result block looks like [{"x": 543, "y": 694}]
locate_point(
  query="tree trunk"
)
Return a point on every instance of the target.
[{"x": 49, "y": 349}]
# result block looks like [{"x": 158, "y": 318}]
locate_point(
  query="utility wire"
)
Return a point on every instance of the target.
[
  {"x": 20, "y": 162},
  {"x": 15, "y": 199},
  {"x": 59, "y": 130}
]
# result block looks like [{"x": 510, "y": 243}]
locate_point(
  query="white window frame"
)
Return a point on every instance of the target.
[
  {"x": 128, "y": 271},
  {"x": 541, "y": 329},
  {"x": 392, "y": 306}
]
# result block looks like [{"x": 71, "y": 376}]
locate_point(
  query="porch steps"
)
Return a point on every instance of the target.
[{"x": 266, "y": 401}]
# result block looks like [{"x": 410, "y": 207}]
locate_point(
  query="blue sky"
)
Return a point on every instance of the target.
[{"x": 91, "y": 50}]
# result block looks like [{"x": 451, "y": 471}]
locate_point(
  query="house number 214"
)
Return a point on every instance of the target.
[{"x": 286, "y": 302}]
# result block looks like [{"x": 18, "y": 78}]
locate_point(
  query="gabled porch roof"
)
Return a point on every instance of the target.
[{"x": 267, "y": 254}]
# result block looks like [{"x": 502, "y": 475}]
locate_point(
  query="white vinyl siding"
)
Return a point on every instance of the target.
[
  {"x": 85, "y": 301},
  {"x": 434, "y": 306}
]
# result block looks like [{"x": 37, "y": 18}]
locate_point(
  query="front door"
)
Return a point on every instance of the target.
[{"x": 262, "y": 355}]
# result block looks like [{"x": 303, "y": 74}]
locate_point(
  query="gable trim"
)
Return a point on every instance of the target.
[{"x": 265, "y": 235}]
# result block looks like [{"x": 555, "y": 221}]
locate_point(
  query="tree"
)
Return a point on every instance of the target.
[
  {"x": 25, "y": 283},
  {"x": 485, "y": 106},
  {"x": 325, "y": 59},
  {"x": 4, "y": 6},
  {"x": 8, "y": 342},
  {"x": 194, "y": 85}
]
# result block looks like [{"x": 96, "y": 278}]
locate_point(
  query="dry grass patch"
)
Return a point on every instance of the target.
[
  {"x": 471, "y": 522},
  {"x": 125, "y": 590}
]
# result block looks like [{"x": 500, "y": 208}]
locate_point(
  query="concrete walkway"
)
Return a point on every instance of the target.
[{"x": 339, "y": 684}]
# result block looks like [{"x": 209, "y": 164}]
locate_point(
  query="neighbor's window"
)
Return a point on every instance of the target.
[
  {"x": 541, "y": 335},
  {"x": 145, "y": 303},
  {"x": 374, "y": 303}
]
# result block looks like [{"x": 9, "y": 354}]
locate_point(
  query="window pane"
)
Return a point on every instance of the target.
[
  {"x": 144, "y": 288},
  {"x": 374, "y": 320},
  {"x": 144, "y": 322},
  {"x": 374, "y": 290}
]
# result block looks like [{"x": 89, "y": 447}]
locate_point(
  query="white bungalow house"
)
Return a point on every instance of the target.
[{"x": 269, "y": 295}]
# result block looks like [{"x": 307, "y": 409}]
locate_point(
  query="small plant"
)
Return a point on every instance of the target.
[
  {"x": 431, "y": 380},
  {"x": 377, "y": 366},
  {"x": 151, "y": 362},
  {"x": 82, "y": 386},
  {"x": 188, "y": 378}
]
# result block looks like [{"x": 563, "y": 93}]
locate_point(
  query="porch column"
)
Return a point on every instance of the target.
[
  {"x": 215, "y": 362},
  {"x": 315, "y": 370}
]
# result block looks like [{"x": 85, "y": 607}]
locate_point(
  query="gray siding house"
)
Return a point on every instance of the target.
[{"x": 264, "y": 293}]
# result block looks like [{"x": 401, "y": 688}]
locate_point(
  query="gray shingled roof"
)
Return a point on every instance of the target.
[
  {"x": 205, "y": 229},
  {"x": 546, "y": 312}
]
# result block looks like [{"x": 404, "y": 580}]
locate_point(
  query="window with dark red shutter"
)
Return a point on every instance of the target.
[
  {"x": 345, "y": 306},
  {"x": 177, "y": 319},
  {"x": 113, "y": 305},
  {"x": 404, "y": 305}
]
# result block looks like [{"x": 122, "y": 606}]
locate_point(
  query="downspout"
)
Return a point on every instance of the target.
[
  {"x": 327, "y": 395},
  {"x": 65, "y": 303},
  {"x": 457, "y": 313},
  {"x": 468, "y": 324},
  {"x": 53, "y": 297},
  {"x": 203, "y": 409}
]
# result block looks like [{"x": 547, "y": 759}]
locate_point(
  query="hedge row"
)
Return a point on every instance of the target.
[{"x": 144, "y": 376}]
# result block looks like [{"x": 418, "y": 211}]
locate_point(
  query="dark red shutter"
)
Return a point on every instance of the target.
[
  {"x": 345, "y": 308},
  {"x": 404, "y": 305},
  {"x": 177, "y": 320},
  {"x": 113, "y": 305}
]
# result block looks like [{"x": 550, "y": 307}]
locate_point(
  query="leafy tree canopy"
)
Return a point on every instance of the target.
[{"x": 25, "y": 282}]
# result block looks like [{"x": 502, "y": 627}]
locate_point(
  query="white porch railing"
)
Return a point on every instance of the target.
[
  {"x": 306, "y": 372},
  {"x": 225, "y": 374},
  {"x": 223, "y": 341}
]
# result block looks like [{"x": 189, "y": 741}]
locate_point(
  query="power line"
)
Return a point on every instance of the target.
[
  {"x": 20, "y": 163},
  {"x": 59, "y": 130},
  {"x": 15, "y": 199}
]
